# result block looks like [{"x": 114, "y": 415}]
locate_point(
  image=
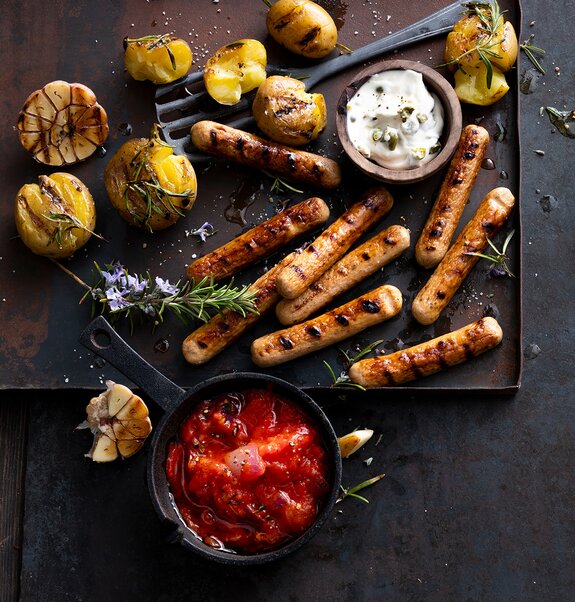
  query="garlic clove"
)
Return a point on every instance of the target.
[
  {"x": 350, "y": 443},
  {"x": 103, "y": 450}
]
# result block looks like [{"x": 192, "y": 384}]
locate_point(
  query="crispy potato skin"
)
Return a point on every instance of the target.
[
  {"x": 286, "y": 113},
  {"x": 303, "y": 27},
  {"x": 59, "y": 193},
  {"x": 173, "y": 172}
]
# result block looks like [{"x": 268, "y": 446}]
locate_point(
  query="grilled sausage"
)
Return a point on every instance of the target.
[
  {"x": 333, "y": 242},
  {"x": 329, "y": 328},
  {"x": 457, "y": 263},
  {"x": 224, "y": 328},
  {"x": 247, "y": 149},
  {"x": 453, "y": 196},
  {"x": 260, "y": 241},
  {"x": 428, "y": 358},
  {"x": 345, "y": 274}
]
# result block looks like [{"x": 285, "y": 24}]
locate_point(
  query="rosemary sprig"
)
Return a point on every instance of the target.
[
  {"x": 352, "y": 491},
  {"x": 499, "y": 257},
  {"x": 343, "y": 379},
  {"x": 65, "y": 223},
  {"x": 124, "y": 295},
  {"x": 530, "y": 52},
  {"x": 491, "y": 21},
  {"x": 156, "y": 42},
  {"x": 279, "y": 185},
  {"x": 145, "y": 184}
]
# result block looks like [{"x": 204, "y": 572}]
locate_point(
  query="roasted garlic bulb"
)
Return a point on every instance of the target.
[
  {"x": 160, "y": 59},
  {"x": 234, "y": 70},
  {"x": 119, "y": 421},
  {"x": 62, "y": 123},
  {"x": 55, "y": 217},
  {"x": 149, "y": 185}
]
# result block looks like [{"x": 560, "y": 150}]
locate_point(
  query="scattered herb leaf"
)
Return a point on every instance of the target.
[
  {"x": 155, "y": 42},
  {"x": 352, "y": 491},
  {"x": 500, "y": 133},
  {"x": 498, "y": 258},
  {"x": 530, "y": 52},
  {"x": 343, "y": 379},
  {"x": 279, "y": 185},
  {"x": 561, "y": 120}
]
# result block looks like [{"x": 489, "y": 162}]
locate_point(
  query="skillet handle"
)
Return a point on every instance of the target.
[{"x": 104, "y": 341}]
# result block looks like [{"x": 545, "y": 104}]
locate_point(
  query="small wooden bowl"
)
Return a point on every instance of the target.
[{"x": 435, "y": 83}]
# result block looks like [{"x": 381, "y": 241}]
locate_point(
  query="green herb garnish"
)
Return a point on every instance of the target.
[
  {"x": 562, "y": 120},
  {"x": 530, "y": 52},
  {"x": 499, "y": 258},
  {"x": 352, "y": 491},
  {"x": 65, "y": 224},
  {"x": 279, "y": 185},
  {"x": 155, "y": 42},
  {"x": 343, "y": 379}
]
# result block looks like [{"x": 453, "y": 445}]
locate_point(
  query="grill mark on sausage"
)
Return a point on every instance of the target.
[
  {"x": 313, "y": 331},
  {"x": 468, "y": 351},
  {"x": 469, "y": 155},
  {"x": 371, "y": 307},
  {"x": 285, "y": 343},
  {"x": 365, "y": 256},
  {"x": 299, "y": 272},
  {"x": 342, "y": 320},
  {"x": 417, "y": 372}
]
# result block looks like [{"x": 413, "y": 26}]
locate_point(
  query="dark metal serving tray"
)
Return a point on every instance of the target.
[{"x": 39, "y": 311}]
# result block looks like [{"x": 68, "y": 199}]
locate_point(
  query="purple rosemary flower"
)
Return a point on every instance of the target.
[{"x": 165, "y": 287}]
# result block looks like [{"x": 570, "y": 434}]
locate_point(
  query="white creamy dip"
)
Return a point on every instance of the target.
[{"x": 394, "y": 121}]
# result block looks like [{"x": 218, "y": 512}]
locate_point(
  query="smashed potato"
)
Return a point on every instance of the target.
[
  {"x": 148, "y": 185},
  {"x": 303, "y": 27},
  {"x": 481, "y": 47},
  {"x": 119, "y": 421},
  {"x": 287, "y": 113},
  {"x": 234, "y": 70},
  {"x": 55, "y": 217},
  {"x": 471, "y": 85},
  {"x": 159, "y": 59}
]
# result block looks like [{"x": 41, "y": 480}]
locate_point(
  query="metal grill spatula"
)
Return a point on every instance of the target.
[{"x": 178, "y": 108}]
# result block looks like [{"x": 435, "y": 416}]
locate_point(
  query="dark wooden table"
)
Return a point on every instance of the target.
[{"x": 477, "y": 504}]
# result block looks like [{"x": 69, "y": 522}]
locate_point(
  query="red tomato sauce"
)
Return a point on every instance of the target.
[{"x": 248, "y": 471}]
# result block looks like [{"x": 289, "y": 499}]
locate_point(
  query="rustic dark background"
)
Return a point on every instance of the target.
[{"x": 477, "y": 500}]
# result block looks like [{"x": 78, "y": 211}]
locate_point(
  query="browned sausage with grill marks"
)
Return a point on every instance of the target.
[
  {"x": 345, "y": 274},
  {"x": 438, "y": 291},
  {"x": 247, "y": 149},
  {"x": 428, "y": 358},
  {"x": 329, "y": 328},
  {"x": 453, "y": 196},
  {"x": 334, "y": 242},
  {"x": 223, "y": 329},
  {"x": 260, "y": 241}
]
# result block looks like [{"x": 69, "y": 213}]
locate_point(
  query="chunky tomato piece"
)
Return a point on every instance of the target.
[{"x": 249, "y": 471}]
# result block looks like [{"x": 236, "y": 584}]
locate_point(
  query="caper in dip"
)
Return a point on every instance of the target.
[{"x": 395, "y": 121}]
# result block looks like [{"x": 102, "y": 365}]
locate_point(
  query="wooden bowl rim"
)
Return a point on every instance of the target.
[{"x": 453, "y": 122}]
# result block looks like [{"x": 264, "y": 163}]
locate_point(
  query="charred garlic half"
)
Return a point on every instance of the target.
[{"x": 119, "y": 421}]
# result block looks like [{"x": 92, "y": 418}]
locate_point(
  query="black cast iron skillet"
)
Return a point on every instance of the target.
[{"x": 103, "y": 340}]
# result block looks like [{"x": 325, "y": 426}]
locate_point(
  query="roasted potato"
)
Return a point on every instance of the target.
[
  {"x": 480, "y": 39},
  {"x": 160, "y": 59},
  {"x": 234, "y": 70},
  {"x": 287, "y": 113},
  {"x": 471, "y": 85},
  {"x": 303, "y": 27},
  {"x": 148, "y": 185},
  {"x": 55, "y": 217}
]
